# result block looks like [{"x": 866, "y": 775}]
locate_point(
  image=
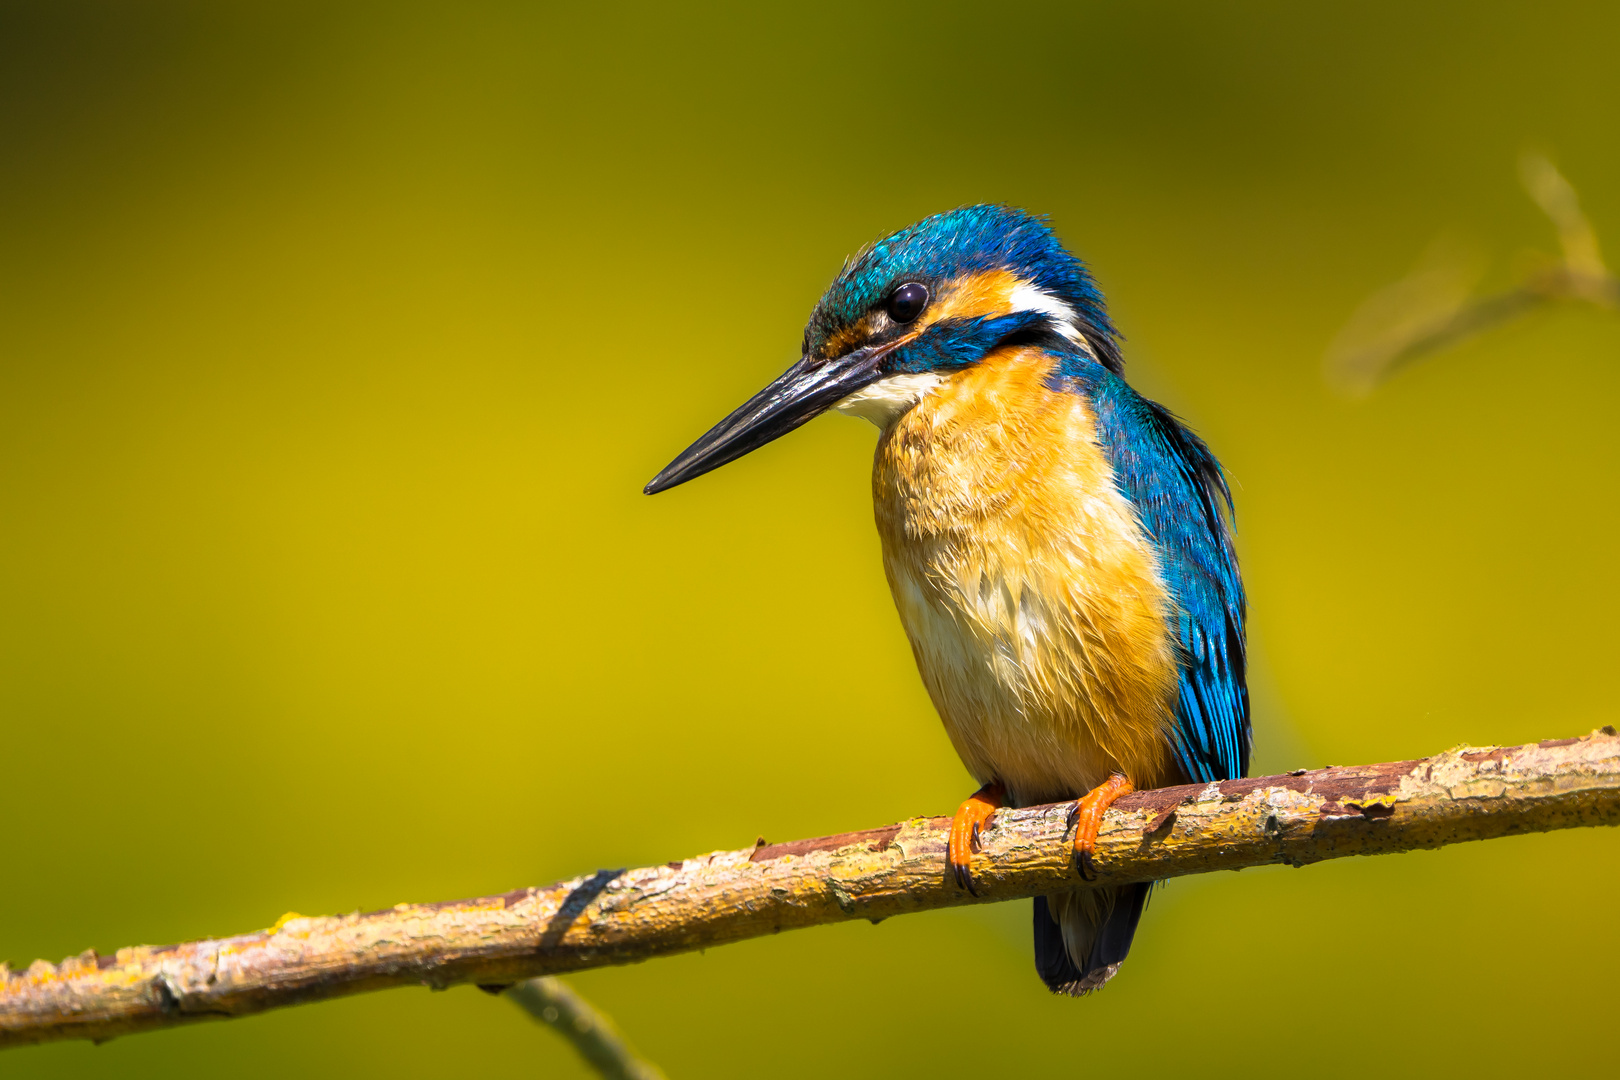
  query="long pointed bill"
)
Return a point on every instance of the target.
[{"x": 804, "y": 391}]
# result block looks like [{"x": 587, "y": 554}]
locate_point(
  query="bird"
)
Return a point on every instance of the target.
[{"x": 1059, "y": 547}]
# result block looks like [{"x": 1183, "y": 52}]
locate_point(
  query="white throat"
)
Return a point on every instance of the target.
[{"x": 882, "y": 402}]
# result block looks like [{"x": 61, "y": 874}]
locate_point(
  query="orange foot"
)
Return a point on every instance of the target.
[
  {"x": 970, "y": 817},
  {"x": 1088, "y": 819}
]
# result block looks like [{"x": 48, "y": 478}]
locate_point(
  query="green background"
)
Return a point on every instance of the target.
[{"x": 336, "y": 343}]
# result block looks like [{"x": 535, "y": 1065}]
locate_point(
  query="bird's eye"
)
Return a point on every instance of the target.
[{"x": 907, "y": 302}]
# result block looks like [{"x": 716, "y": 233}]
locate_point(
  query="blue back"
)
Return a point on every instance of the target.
[{"x": 1181, "y": 497}]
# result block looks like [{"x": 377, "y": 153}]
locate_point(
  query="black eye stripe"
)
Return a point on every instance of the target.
[{"x": 907, "y": 302}]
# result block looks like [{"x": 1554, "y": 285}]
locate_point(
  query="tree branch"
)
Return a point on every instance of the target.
[
  {"x": 622, "y": 916},
  {"x": 555, "y": 1004},
  {"x": 1430, "y": 310}
]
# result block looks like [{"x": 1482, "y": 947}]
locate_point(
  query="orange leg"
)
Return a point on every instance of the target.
[
  {"x": 1088, "y": 819},
  {"x": 970, "y": 818}
]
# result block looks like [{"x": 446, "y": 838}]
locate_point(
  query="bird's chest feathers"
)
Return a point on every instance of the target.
[{"x": 1031, "y": 598}]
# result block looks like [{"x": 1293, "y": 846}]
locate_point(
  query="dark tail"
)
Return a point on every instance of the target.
[{"x": 1082, "y": 937}]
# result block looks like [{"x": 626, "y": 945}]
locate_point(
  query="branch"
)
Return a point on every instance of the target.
[
  {"x": 555, "y": 1004},
  {"x": 1430, "y": 309},
  {"x": 622, "y": 916}
]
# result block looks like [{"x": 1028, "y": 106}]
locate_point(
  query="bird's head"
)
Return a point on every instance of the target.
[{"x": 907, "y": 312}]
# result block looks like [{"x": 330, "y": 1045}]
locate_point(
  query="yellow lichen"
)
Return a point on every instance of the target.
[{"x": 281, "y": 922}]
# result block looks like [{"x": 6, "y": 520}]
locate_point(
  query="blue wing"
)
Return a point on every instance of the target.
[{"x": 1184, "y": 504}]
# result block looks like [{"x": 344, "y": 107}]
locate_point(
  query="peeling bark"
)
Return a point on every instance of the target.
[{"x": 622, "y": 916}]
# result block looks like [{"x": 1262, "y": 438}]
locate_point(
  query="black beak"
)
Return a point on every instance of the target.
[{"x": 804, "y": 391}]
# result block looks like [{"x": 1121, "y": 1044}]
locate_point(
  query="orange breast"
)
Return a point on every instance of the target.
[{"x": 1031, "y": 598}]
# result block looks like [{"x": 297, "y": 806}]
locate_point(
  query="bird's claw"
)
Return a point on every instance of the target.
[
  {"x": 966, "y": 829},
  {"x": 964, "y": 878},
  {"x": 1086, "y": 818}
]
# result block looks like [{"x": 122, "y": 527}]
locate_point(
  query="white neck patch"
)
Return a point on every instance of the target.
[
  {"x": 882, "y": 402},
  {"x": 1026, "y": 297}
]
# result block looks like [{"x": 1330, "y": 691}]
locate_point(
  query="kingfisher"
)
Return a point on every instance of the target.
[{"x": 1059, "y": 547}]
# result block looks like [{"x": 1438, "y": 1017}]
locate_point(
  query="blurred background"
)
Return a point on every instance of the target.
[{"x": 337, "y": 340}]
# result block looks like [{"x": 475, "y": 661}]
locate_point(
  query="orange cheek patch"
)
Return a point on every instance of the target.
[
  {"x": 987, "y": 293},
  {"x": 976, "y": 296}
]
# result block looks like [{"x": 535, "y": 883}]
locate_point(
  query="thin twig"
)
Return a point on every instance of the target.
[
  {"x": 555, "y": 1004},
  {"x": 622, "y": 916},
  {"x": 1430, "y": 310}
]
